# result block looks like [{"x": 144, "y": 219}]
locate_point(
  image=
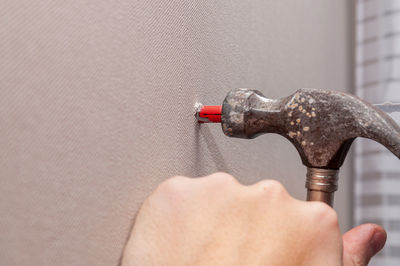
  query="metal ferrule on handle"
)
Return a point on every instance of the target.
[{"x": 321, "y": 184}]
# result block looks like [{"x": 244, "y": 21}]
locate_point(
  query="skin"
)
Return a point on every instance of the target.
[{"x": 214, "y": 220}]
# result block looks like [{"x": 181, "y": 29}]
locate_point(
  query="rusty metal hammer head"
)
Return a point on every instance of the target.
[{"x": 321, "y": 125}]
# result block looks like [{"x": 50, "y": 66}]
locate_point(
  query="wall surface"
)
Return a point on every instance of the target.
[{"x": 96, "y": 108}]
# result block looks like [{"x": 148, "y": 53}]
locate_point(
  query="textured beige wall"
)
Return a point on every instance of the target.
[{"x": 96, "y": 108}]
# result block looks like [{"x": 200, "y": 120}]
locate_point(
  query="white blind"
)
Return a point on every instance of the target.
[{"x": 377, "y": 185}]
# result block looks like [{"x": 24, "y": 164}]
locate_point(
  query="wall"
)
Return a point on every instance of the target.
[
  {"x": 96, "y": 108},
  {"x": 377, "y": 195}
]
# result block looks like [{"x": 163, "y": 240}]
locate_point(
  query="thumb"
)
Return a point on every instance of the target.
[{"x": 361, "y": 243}]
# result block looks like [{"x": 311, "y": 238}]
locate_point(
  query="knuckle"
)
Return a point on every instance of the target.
[
  {"x": 271, "y": 187},
  {"x": 170, "y": 195},
  {"x": 322, "y": 212},
  {"x": 172, "y": 184},
  {"x": 223, "y": 178}
]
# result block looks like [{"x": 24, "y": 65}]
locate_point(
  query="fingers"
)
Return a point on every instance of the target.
[{"x": 361, "y": 243}]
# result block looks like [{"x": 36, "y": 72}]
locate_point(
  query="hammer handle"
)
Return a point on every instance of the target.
[{"x": 315, "y": 195}]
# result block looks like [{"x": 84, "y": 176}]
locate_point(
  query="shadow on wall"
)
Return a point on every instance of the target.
[{"x": 203, "y": 135}]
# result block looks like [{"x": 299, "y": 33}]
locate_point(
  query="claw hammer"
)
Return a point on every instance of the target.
[{"x": 321, "y": 124}]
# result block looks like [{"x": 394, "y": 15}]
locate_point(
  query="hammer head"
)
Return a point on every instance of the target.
[{"x": 321, "y": 124}]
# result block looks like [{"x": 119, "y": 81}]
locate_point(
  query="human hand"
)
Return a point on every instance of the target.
[{"x": 214, "y": 220}]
